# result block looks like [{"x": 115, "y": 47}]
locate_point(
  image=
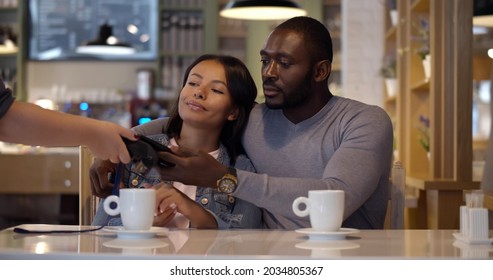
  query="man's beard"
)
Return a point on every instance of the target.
[{"x": 293, "y": 98}]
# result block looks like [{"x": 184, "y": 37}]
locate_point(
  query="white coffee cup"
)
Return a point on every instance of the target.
[
  {"x": 325, "y": 207},
  {"x": 136, "y": 207}
]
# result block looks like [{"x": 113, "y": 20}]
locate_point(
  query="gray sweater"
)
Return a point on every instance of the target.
[{"x": 347, "y": 145}]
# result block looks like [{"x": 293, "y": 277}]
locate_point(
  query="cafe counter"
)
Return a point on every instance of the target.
[
  {"x": 38, "y": 185},
  {"x": 237, "y": 244}
]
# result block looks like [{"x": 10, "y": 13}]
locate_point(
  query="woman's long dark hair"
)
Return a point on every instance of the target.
[{"x": 243, "y": 92}]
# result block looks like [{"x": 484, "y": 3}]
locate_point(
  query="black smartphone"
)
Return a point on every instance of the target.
[
  {"x": 146, "y": 150},
  {"x": 154, "y": 144},
  {"x": 158, "y": 147}
]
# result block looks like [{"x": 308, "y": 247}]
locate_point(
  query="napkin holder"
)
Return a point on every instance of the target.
[{"x": 474, "y": 228}]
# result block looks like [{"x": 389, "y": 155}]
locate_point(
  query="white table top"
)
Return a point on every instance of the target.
[{"x": 238, "y": 244}]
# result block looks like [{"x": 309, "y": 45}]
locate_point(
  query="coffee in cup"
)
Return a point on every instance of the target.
[
  {"x": 135, "y": 206},
  {"x": 325, "y": 207}
]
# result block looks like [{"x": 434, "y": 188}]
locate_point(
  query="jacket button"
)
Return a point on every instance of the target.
[
  {"x": 204, "y": 200},
  {"x": 135, "y": 182}
]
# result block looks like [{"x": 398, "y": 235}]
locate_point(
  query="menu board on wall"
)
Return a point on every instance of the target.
[{"x": 59, "y": 28}]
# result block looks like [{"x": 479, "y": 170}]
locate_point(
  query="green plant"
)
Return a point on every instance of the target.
[
  {"x": 389, "y": 69},
  {"x": 392, "y": 4},
  {"x": 423, "y": 37},
  {"x": 424, "y": 129}
]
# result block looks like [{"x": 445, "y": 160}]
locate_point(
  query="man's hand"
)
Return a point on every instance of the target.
[
  {"x": 100, "y": 183},
  {"x": 192, "y": 168}
]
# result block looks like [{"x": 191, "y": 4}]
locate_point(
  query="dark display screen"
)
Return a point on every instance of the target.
[{"x": 63, "y": 29}]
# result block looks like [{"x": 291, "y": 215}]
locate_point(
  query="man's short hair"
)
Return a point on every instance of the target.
[{"x": 316, "y": 36}]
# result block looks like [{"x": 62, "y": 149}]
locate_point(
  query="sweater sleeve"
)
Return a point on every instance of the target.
[
  {"x": 151, "y": 128},
  {"x": 360, "y": 166}
]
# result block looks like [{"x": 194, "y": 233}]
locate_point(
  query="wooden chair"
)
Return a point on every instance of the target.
[
  {"x": 394, "y": 218},
  {"x": 88, "y": 203}
]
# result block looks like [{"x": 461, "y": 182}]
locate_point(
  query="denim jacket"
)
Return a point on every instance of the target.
[{"x": 229, "y": 212}]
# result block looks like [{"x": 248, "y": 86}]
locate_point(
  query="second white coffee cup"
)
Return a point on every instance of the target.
[
  {"x": 136, "y": 207},
  {"x": 325, "y": 207}
]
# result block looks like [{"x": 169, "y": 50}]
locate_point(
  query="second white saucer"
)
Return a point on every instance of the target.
[
  {"x": 459, "y": 236},
  {"x": 324, "y": 245},
  {"x": 327, "y": 235},
  {"x": 121, "y": 232},
  {"x": 135, "y": 243}
]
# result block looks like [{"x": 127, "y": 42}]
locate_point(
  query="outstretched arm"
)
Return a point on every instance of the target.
[{"x": 29, "y": 124}]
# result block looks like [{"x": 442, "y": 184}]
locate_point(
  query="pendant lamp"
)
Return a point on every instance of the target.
[
  {"x": 262, "y": 10},
  {"x": 106, "y": 43},
  {"x": 483, "y": 13}
]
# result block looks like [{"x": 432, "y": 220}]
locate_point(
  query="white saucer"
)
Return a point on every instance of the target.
[
  {"x": 135, "y": 243},
  {"x": 462, "y": 238},
  {"x": 121, "y": 232},
  {"x": 327, "y": 235},
  {"x": 327, "y": 245}
]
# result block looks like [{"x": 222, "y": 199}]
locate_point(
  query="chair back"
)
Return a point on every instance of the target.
[
  {"x": 88, "y": 203},
  {"x": 394, "y": 218}
]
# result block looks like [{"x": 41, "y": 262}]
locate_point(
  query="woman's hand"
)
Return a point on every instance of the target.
[{"x": 170, "y": 201}]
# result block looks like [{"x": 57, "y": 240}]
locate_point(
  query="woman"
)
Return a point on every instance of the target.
[{"x": 212, "y": 110}]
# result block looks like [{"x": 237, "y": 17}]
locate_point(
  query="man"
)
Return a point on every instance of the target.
[
  {"x": 29, "y": 124},
  {"x": 303, "y": 138}
]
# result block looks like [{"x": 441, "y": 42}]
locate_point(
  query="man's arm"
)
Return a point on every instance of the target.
[{"x": 359, "y": 166}]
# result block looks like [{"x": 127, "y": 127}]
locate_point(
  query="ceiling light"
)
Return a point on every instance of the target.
[
  {"x": 106, "y": 43},
  {"x": 483, "y": 13},
  {"x": 490, "y": 53},
  {"x": 262, "y": 10}
]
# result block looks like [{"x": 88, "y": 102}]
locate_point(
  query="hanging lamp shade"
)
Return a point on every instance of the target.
[
  {"x": 262, "y": 10},
  {"x": 483, "y": 13},
  {"x": 106, "y": 43}
]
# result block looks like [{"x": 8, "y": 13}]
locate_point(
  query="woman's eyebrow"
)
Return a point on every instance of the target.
[
  {"x": 213, "y": 81},
  {"x": 196, "y": 74},
  {"x": 219, "y": 82}
]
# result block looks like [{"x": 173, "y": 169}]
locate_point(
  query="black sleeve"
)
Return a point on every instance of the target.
[{"x": 6, "y": 99}]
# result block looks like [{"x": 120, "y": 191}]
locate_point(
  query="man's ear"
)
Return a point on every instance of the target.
[
  {"x": 322, "y": 70},
  {"x": 234, "y": 114}
]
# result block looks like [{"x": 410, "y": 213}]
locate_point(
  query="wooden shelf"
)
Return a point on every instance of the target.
[
  {"x": 423, "y": 85},
  {"x": 421, "y": 183},
  {"x": 445, "y": 98},
  {"x": 13, "y": 54},
  {"x": 391, "y": 33},
  {"x": 480, "y": 144},
  {"x": 166, "y": 69},
  {"x": 488, "y": 201},
  {"x": 14, "y": 59},
  {"x": 391, "y": 100},
  {"x": 420, "y": 6}
]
